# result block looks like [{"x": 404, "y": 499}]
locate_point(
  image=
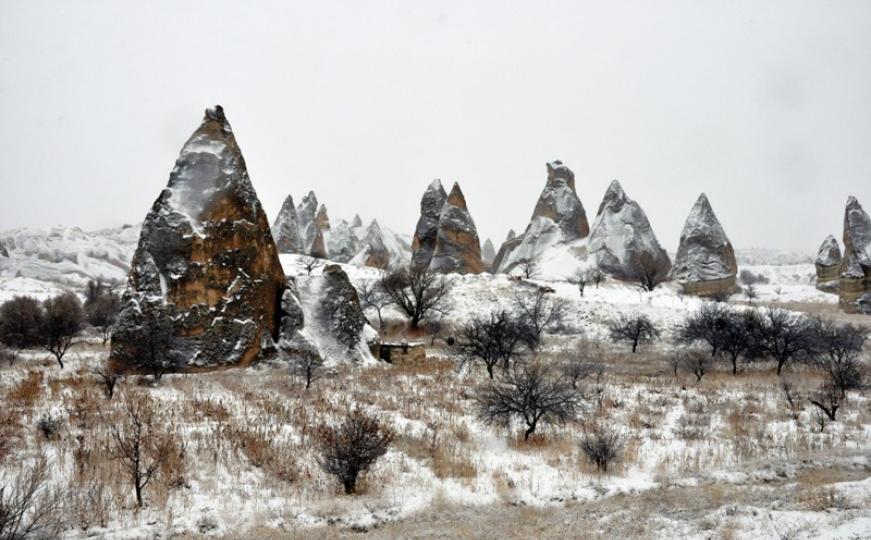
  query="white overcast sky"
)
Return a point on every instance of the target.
[{"x": 763, "y": 105}]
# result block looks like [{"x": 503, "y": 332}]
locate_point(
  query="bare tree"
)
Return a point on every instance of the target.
[
  {"x": 528, "y": 267},
  {"x": 137, "y": 443},
  {"x": 530, "y": 392},
  {"x": 580, "y": 279},
  {"x": 595, "y": 276},
  {"x": 101, "y": 308},
  {"x": 602, "y": 445},
  {"x": 750, "y": 293},
  {"x": 352, "y": 447},
  {"x": 417, "y": 293},
  {"x": 62, "y": 320},
  {"x": 576, "y": 369},
  {"x": 434, "y": 327},
  {"x": 308, "y": 366},
  {"x": 497, "y": 338},
  {"x": 698, "y": 364},
  {"x": 20, "y": 325},
  {"x": 780, "y": 334},
  {"x": 836, "y": 350},
  {"x": 29, "y": 508},
  {"x": 310, "y": 264},
  {"x": 827, "y": 398},
  {"x": 792, "y": 397},
  {"x": 722, "y": 328},
  {"x": 151, "y": 348},
  {"x": 635, "y": 330},
  {"x": 372, "y": 296},
  {"x": 539, "y": 309},
  {"x": 749, "y": 278},
  {"x": 108, "y": 378},
  {"x": 647, "y": 273}
]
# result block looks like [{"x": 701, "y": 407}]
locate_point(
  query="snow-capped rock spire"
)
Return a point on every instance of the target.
[
  {"x": 457, "y": 246},
  {"x": 705, "y": 261},
  {"x": 424, "y": 241},
  {"x": 855, "y": 273}
]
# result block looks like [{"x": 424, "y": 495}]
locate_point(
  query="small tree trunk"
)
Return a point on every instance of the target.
[
  {"x": 350, "y": 484},
  {"x": 780, "y": 364},
  {"x": 734, "y": 365},
  {"x": 634, "y": 345}
]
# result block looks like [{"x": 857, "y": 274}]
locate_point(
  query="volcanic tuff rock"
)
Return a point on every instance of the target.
[
  {"x": 622, "y": 240},
  {"x": 510, "y": 243},
  {"x": 855, "y": 280},
  {"x": 285, "y": 229},
  {"x": 488, "y": 252},
  {"x": 828, "y": 264},
  {"x": 374, "y": 251},
  {"x": 558, "y": 217},
  {"x": 457, "y": 246},
  {"x": 705, "y": 261},
  {"x": 3, "y": 252},
  {"x": 312, "y": 236},
  {"x": 205, "y": 284},
  {"x": 424, "y": 242}
]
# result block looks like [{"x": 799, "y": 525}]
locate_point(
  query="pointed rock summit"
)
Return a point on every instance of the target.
[
  {"x": 705, "y": 261},
  {"x": 855, "y": 272},
  {"x": 558, "y": 218},
  {"x": 457, "y": 249},
  {"x": 488, "y": 252},
  {"x": 622, "y": 240},
  {"x": 206, "y": 284},
  {"x": 828, "y": 264},
  {"x": 424, "y": 242},
  {"x": 285, "y": 229}
]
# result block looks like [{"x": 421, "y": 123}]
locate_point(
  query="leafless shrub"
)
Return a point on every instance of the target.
[
  {"x": 137, "y": 442},
  {"x": 576, "y": 369},
  {"x": 698, "y": 363},
  {"x": 780, "y": 334},
  {"x": 48, "y": 425},
  {"x": 310, "y": 264},
  {"x": 308, "y": 366},
  {"x": 647, "y": 273},
  {"x": 108, "y": 378},
  {"x": 497, "y": 338},
  {"x": 101, "y": 308},
  {"x": 835, "y": 351},
  {"x": 528, "y": 267},
  {"x": 827, "y": 398},
  {"x": 417, "y": 293},
  {"x": 750, "y": 278},
  {"x": 29, "y": 508},
  {"x": 352, "y": 447},
  {"x": 791, "y": 396},
  {"x": 62, "y": 320},
  {"x": 634, "y": 330},
  {"x": 372, "y": 296},
  {"x": 539, "y": 309},
  {"x": 580, "y": 279},
  {"x": 602, "y": 445},
  {"x": 532, "y": 393}
]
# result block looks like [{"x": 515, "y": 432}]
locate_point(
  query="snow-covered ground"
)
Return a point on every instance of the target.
[{"x": 723, "y": 458}]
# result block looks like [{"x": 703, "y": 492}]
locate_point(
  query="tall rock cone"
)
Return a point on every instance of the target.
[
  {"x": 828, "y": 264},
  {"x": 458, "y": 248},
  {"x": 205, "y": 285},
  {"x": 424, "y": 242},
  {"x": 488, "y": 252},
  {"x": 854, "y": 286},
  {"x": 558, "y": 218},
  {"x": 705, "y": 261},
  {"x": 622, "y": 240},
  {"x": 285, "y": 229}
]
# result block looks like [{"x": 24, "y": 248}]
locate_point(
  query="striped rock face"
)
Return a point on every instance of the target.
[{"x": 205, "y": 285}]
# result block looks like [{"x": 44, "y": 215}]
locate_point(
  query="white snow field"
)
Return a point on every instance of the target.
[{"x": 723, "y": 458}]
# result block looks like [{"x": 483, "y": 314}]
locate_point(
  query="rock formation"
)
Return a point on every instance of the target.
[
  {"x": 705, "y": 261},
  {"x": 558, "y": 218},
  {"x": 854, "y": 286},
  {"x": 285, "y": 229},
  {"x": 341, "y": 242},
  {"x": 424, "y": 242},
  {"x": 510, "y": 243},
  {"x": 3, "y": 251},
  {"x": 311, "y": 235},
  {"x": 622, "y": 241},
  {"x": 206, "y": 285},
  {"x": 457, "y": 248},
  {"x": 488, "y": 252},
  {"x": 828, "y": 264},
  {"x": 374, "y": 251}
]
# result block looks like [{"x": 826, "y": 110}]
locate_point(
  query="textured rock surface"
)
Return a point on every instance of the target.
[
  {"x": 312, "y": 237},
  {"x": 206, "y": 265},
  {"x": 705, "y": 261},
  {"x": 510, "y": 244},
  {"x": 558, "y": 218},
  {"x": 457, "y": 246},
  {"x": 375, "y": 252},
  {"x": 621, "y": 240},
  {"x": 828, "y": 264},
  {"x": 855, "y": 271},
  {"x": 488, "y": 252},
  {"x": 342, "y": 243},
  {"x": 3, "y": 251},
  {"x": 285, "y": 228},
  {"x": 424, "y": 242}
]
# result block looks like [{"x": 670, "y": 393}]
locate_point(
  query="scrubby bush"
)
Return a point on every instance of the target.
[
  {"x": 540, "y": 310},
  {"x": 20, "y": 325},
  {"x": 351, "y": 448},
  {"x": 750, "y": 278},
  {"x": 497, "y": 338},
  {"x": 62, "y": 320},
  {"x": 602, "y": 445},
  {"x": 101, "y": 308},
  {"x": 417, "y": 293}
]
